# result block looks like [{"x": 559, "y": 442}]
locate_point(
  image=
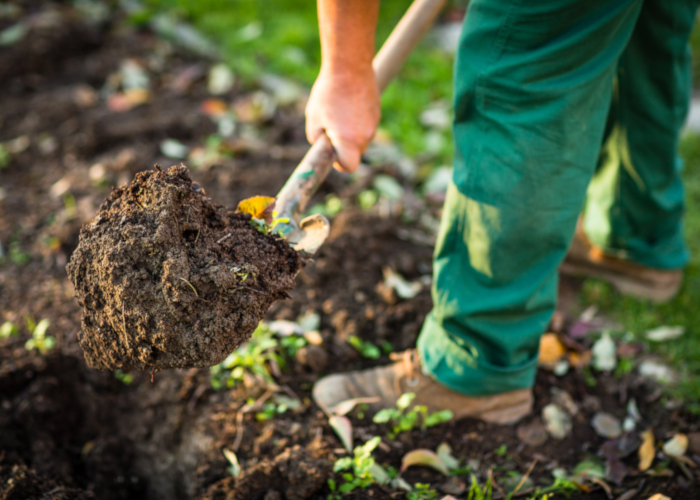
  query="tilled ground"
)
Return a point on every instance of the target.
[{"x": 70, "y": 432}]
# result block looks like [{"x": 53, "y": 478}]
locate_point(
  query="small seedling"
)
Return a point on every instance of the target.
[
  {"x": 253, "y": 357},
  {"x": 278, "y": 406},
  {"x": 243, "y": 272},
  {"x": 40, "y": 340},
  {"x": 17, "y": 255},
  {"x": 8, "y": 329},
  {"x": 478, "y": 492},
  {"x": 366, "y": 348},
  {"x": 359, "y": 470},
  {"x": 422, "y": 491},
  {"x": 501, "y": 450},
  {"x": 124, "y": 378},
  {"x": 292, "y": 343},
  {"x": 235, "y": 468},
  {"x": 403, "y": 420}
]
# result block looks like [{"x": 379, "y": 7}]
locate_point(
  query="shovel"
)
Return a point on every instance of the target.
[{"x": 310, "y": 233}]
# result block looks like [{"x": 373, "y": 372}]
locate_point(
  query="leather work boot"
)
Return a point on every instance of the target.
[
  {"x": 587, "y": 260},
  {"x": 388, "y": 383}
]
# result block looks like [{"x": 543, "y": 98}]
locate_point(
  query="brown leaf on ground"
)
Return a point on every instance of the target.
[
  {"x": 551, "y": 350},
  {"x": 646, "y": 450}
]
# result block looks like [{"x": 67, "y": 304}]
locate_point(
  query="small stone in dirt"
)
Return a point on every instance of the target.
[
  {"x": 313, "y": 356},
  {"x": 453, "y": 486},
  {"x": 532, "y": 433},
  {"x": 606, "y": 425},
  {"x": 167, "y": 279},
  {"x": 557, "y": 421}
]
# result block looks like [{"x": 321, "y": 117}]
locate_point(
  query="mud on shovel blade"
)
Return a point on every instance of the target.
[{"x": 310, "y": 233}]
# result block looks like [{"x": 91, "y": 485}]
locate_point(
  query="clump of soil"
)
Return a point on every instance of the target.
[{"x": 166, "y": 279}]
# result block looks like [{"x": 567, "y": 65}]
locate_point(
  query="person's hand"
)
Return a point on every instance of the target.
[{"x": 347, "y": 107}]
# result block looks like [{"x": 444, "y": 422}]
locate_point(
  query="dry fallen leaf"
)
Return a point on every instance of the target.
[
  {"x": 214, "y": 107},
  {"x": 343, "y": 428},
  {"x": 345, "y": 407},
  {"x": 646, "y": 450},
  {"x": 129, "y": 99},
  {"x": 604, "y": 358},
  {"x": 676, "y": 446},
  {"x": 551, "y": 350},
  {"x": 426, "y": 458},
  {"x": 259, "y": 207},
  {"x": 579, "y": 360},
  {"x": 663, "y": 333}
]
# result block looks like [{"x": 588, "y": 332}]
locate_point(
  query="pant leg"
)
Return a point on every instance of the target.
[
  {"x": 533, "y": 83},
  {"x": 635, "y": 201}
]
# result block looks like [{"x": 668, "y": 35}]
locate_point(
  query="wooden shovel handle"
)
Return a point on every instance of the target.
[{"x": 318, "y": 161}]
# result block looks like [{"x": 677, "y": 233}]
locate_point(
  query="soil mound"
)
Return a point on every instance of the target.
[{"x": 166, "y": 279}]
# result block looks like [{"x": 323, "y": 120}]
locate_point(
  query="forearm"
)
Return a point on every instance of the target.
[{"x": 347, "y": 29}]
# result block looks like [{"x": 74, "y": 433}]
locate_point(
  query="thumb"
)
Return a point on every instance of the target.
[{"x": 348, "y": 153}]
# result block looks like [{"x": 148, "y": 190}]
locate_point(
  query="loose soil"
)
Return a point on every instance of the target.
[
  {"x": 166, "y": 279},
  {"x": 70, "y": 431}
]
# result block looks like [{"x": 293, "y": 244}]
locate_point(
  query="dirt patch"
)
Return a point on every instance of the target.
[
  {"x": 167, "y": 279},
  {"x": 294, "y": 475},
  {"x": 17, "y": 482}
]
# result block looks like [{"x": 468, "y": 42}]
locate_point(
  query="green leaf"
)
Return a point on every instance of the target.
[
  {"x": 438, "y": 417},
  {"x": 8, "y": 328},
  {"x": 13, "y": 34},
  {"x": 344, "y": 463},
  {"x": 383, "y": 416},
  {"x": 40, "y": 330},
  {"x": 405, "y": 400}
]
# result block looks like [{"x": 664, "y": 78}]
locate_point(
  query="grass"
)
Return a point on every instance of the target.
[
  {"x": 281, "y": 36},
  {"x": 638, "y": 316}
]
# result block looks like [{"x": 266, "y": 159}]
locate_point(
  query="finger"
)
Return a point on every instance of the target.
[
  {"x": 313, "y": 132},
  {"x": 348, "y": 154}
]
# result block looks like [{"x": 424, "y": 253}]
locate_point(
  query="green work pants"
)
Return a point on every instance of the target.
[{"x": 559, "y": 104}]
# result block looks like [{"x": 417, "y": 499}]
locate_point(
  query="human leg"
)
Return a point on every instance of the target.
[
  {"x": 635, "y": 201},
  {"x": 533, "y": 87}
]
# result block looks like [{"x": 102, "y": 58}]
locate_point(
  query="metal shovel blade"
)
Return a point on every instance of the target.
[{"x": 312, "y": 232}]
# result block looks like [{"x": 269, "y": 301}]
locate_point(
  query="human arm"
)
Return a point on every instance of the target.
[{"x": 344, "y": 100}]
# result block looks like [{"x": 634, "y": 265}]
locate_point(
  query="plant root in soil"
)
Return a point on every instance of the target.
[{"x": 166, "y": 279}]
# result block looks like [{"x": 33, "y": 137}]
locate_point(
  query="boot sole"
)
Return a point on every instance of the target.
[
  {"x": 626, "y": 285},
  {"x": 509, "y": 415}
]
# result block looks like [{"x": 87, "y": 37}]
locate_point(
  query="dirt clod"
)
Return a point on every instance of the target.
[{"x": 166, "y": 279}]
